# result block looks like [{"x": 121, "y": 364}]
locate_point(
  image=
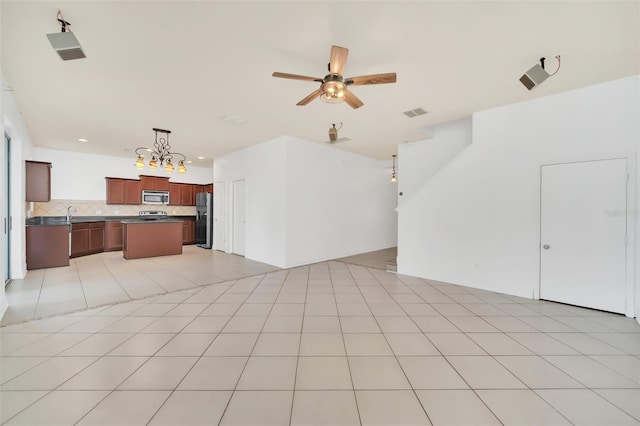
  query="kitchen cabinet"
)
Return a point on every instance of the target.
[
  {"x": 47, "y": 246},
  {"x": 132, "y": 192},
  {"x": 87, "y": 238},
  {"x": 37, "y": 181},
  {"x": 123, "y": 191},
  {"x": 151, "y": 238},
  {"x": 209, "y": 188},
  {"x": 113, "y": 236},
  {"x": 189, "y": 231},
  {"x": 175, "y": 194},
  {"x": 187, "y": 195},
  {"x": 96, "y": 237},
  {"x": 154, "y": 183},
  {"x": 79, "y": 239}
]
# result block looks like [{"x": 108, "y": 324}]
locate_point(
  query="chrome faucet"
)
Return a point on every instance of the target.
[{"x": 69, "y": 213}]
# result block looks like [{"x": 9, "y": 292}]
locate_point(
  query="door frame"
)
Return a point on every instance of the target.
[
  {"x": 232, "y": 197},
  {"x": 630, "y": 229},
  {"x": 220, "y": 214},
  {"x": 6, "y": 209}
]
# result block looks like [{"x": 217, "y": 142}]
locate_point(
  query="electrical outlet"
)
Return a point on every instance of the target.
[
  {"x": 116, "y": 211},
  {"x": 98, "y": 212}
]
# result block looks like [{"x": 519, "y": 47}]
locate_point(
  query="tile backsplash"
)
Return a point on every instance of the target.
[{"x": 100, "y": 208}]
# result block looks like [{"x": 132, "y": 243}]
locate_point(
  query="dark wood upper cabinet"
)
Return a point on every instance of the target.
[
  {"x": 123, "y": 191},
  {"x": 154, "y": 183},
  {"x": 115, "y": 191},
  {"x": 129, "y": 191},
  {"x": 175, "y": 194},
  {"x": 38, "y": 181},
  {"x": 209, "y": 188},
  {"x": 132, "y": 192},
  {"x": 162, "y": 184},
  {"x": 187, "y": 195}
]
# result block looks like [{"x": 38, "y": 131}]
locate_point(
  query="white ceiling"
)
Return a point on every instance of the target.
[{"x": 182, "y": 65}]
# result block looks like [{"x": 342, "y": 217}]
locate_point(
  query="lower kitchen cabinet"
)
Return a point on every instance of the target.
[
  {"x": 47, "y": 246},
  {"x": 87, "y": 238},
  {"x": 114, "y": 236},
  {"x": 188, "y": 231}
]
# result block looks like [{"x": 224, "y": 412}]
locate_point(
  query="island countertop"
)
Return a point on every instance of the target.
[{"x": 151, "y": 221}]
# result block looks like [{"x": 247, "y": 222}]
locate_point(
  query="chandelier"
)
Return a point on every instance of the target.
[{"x": 161, "y": 152}]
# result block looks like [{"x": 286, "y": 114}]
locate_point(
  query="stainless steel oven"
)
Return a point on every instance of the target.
[{"x": 155, "y": 197}]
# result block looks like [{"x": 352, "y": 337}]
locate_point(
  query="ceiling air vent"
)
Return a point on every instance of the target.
[
  {"x": 339, "y": 140},
  {"x": 415, "y": 112}
]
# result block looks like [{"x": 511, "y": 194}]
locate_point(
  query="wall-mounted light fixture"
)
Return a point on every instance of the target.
[
  {"x": 65, "y": 43},
  {"x": 161, "y": 152},
  {"x": 393, "y": 173},
  {"x": 537, "y": 74},
  {"x": 333, "y": 133}
]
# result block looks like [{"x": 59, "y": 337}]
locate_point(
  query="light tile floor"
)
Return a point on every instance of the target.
[
  {"x": 325, "y": 344},
  {"x": 108, "y": 278}
]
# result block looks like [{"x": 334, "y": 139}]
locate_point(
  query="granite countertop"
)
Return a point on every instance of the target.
[{"x": 62, "y": 220}]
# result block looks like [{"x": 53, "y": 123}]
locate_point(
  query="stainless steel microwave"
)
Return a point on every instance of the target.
[{"x": 155, "y": 197}]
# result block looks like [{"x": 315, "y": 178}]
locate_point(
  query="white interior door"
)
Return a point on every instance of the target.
[
  {"x": 583, "y": 221},
  {"x": 219, "y": 215},
  {"x": 239, "y": 217}
]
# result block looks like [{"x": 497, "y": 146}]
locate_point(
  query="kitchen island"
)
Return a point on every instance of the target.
[{"x": 150, "y": 238}]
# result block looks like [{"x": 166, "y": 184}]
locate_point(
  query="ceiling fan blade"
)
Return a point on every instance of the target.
[
  {"x": 352, "y": 100},
  {"x": 338, "y": 59},
  {"x": 296, "y": 76},
  {"x": 389, "y": 77},
  {"x": 316, "y": 93}
]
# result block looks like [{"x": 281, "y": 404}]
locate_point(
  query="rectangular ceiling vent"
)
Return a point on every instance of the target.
[
  {"x": 339, "y": 140},
  {"x": 415, "y": 112}
]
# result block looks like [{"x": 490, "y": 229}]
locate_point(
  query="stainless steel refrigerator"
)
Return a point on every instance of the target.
[{"x": 204, "y": 219}]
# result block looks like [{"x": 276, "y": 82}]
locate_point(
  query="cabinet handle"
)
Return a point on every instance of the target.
[
  {"x": 10, "y": 223},
  {"x": 5, "y": 225}
]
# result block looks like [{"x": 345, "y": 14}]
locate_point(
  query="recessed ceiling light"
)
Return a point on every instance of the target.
[
  {"x": 83, "y": 140},
  {"x": 189, "y": 161},
  {"x": 200, "y": 158},
  {"x": 149, "y": 150}
]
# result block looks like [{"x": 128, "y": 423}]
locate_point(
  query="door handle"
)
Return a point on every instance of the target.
[{"x": 546, "y": 246}]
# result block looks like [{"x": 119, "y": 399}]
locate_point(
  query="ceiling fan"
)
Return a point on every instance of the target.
[{"x": 333, "y": 87}]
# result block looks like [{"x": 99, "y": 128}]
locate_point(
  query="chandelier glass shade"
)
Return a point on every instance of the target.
[{"x": 161, "y": 154}]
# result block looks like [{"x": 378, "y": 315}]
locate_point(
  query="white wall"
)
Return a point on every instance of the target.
[
  {"x": 11, "y": 123},
  {"x": 338, "y": 203},
  {"x": 308, "y": 202},
  {"x": 69, "y": 166},
  {"x": 263, "y": 167},
  {"x": 476, "y": 222},
  {"x": 419, "y": 161}
]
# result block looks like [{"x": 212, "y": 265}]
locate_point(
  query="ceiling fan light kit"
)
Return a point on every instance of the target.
[{"x": 333, "y": 87}]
